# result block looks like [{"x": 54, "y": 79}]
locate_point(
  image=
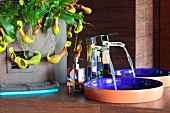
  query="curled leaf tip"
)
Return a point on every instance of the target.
[
  {"x": 40, "y": 20},
  {"x": 19, "y": 23},
  {"x": 21, "y": 2},
  {"x": 70, "y": 8},
  {"x": 11, "y": 49},
  {"x": 69, "y": 34},
  {"x": 68, "y": 44}
]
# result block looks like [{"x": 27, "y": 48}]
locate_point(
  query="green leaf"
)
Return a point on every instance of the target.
[
  {"x": 31, "y": 4},
  {"x": 30, "y": 16},
  {"x": 14, "y": 22},
  {"x": 48, "y": 21},
  {"x": 41, "y": 13},
  {"x": 54, "y": 5},
  {"x": 8, "y": 4},
  {"x": 33, "y": 17},
  {"x": 69, "y": 20},
  {"x": 8, "y": 27},
  {"x": 36, "y": 2},
  {"x": 12, "y": 13},
  {"x": 21, "y": 2},
  {"x": 52, "y": 1},
  {"x": 25, "y": 15},
  {"x": 63, "y": 2},
  {"x": 76, "y": 16}
]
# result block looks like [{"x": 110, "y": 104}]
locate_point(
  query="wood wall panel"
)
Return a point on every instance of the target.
[
  {"x": 144, "y": 34},
  {"x": 110, "y": 16},
  {"x": 164, "y": 34}
]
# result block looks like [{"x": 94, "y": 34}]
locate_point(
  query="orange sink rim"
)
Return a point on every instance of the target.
[{"x": 124, "y": 96}]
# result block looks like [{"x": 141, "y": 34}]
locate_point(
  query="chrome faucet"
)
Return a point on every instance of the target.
[{"x": 97, "y": 49}]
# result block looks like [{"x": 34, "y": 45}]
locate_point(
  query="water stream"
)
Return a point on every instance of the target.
[
  {"x": 130, "y": 61},
  {"x": 112, "y": 69}
]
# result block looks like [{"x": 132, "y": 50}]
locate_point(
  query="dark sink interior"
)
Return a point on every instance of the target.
[
  {"x": 143, "y": 72},
  {"x": 123, "y": 83}
]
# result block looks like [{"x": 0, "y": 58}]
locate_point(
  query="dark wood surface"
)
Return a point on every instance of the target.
[{"x": 62, "y": 102}]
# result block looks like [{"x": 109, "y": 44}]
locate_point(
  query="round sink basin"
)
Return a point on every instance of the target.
[
  {"x": 149, "y": 73},
  {"x": 129, "y": 90}
]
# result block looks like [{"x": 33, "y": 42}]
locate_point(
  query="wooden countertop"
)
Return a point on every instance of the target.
[{"x": 62, "y": 102}]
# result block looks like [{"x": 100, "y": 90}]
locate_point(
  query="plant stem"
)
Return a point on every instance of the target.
[
  {"x": 25, "y": 46},
  {"x": 24, "y": 52},
  {"x": 56, "y": 40},
  {"x": 75, "y": 45}
]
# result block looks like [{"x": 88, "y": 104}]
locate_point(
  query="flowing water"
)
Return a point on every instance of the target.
[
  {"x": 112, "y": 69},
  {"x": 130, "y": 61}
]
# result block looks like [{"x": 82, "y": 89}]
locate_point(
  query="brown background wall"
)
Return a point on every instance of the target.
[
  {"x": 110, "y": 16},
  {"x": 164, "y": 34}
]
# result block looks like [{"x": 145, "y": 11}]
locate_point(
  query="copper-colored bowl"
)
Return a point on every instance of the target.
[
  {"x": 148, "y": 73},
  {"x": 129, "y": 90}
]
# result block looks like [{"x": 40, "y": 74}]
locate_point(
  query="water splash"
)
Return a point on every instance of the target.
[{"x": 130, "y": 61}]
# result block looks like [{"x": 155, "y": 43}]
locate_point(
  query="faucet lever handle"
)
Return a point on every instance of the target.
[{"x": 120, "y": 44}]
